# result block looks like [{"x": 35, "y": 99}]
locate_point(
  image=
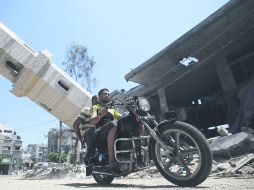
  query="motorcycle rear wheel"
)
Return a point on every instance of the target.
[
  {"x": 103, "y": 179},
  {"x": 191, "y": 161}
]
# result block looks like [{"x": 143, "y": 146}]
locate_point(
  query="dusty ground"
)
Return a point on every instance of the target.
[{"x": 213, "y": 183}]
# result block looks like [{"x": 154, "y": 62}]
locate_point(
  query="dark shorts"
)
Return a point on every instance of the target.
[
  {"x": 102, "y": 132},
  {"x": 90, "y": 136}
]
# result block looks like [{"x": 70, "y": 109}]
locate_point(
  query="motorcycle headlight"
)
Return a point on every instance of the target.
[{"x": 143, "y": 104}]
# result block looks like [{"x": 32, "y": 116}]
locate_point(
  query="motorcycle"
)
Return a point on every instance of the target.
[{"x": 178, "y": 150}]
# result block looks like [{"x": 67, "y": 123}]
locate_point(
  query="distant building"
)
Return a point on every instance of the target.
[
  {"x": 38, "y": 152},
  {"x": 68, "y": 142},
  {"x": 10, "y": 149}
]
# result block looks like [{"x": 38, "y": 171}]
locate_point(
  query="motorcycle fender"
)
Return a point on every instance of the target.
[{"x": 163, "y": 123}]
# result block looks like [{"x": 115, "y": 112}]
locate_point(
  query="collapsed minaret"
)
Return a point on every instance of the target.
[{"x": 35, "y": 76}]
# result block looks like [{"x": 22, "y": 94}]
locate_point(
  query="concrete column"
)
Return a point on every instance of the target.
[
  {"x": 163, "y": 102},
  {"x": 226, "y": 77}
]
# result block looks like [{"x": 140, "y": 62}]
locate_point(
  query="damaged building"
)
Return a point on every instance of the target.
[{"x": 205, "y": 76}]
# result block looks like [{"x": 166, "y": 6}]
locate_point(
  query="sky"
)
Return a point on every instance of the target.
[{"x": 119, "y": 34}]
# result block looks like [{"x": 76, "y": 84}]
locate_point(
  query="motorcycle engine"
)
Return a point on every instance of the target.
[{"x": 128, "y": 126}]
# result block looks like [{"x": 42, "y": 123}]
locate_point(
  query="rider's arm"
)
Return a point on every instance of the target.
[
  {"x": 95, "y": 118},
  {"x": 117, "y": 115}
]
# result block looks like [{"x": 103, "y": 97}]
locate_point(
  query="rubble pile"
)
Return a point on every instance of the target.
[
  {"x": 151, "y": 172},
  {"x": 233, "y": 156},
  {"x": 55, "y": 170},
  {"x": 241, "y": 166}
]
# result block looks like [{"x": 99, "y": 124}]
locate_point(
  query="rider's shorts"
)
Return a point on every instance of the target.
[{"x": 102, "y": 132}]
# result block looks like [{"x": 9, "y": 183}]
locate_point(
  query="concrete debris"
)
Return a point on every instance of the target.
[
  {"x": 58, "y": 171},
  {"x": 151, "y": 172},
  {"x": 233, "y": 153},
  {"x": 242, "y": 166},
  {"x": 55, "y": 170},
  {"x": 232, "y": 145},
  {"x": 240, "y": 163}
]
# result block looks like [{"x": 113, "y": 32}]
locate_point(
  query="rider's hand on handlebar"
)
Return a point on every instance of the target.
[{"x": 103, "y": 111}]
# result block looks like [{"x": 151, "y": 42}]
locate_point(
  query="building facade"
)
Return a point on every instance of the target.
[
  {"x": 10, "y": 149},
  {"x": 38, "y": 152},
  {"x": 65, "y": 142}
]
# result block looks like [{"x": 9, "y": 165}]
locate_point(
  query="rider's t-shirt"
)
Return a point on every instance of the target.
[{"x": 111, "y": 115}]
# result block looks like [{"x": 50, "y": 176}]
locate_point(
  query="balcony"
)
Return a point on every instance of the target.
[
  {"x": 18, "y": 143},
  {"x": 5, "y": 141},
  {"x": 6, "y": 152}
]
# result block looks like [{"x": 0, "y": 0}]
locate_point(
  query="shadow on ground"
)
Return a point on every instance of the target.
[{"x": 120, "y": 185}]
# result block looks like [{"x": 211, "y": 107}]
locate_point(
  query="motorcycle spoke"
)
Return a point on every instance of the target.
[
  {"x": 185, "y": 153},
  {"x": 169, "y": 163},
  {"x": 177, "y": 143},
  {"x": 184, "y": 164}
]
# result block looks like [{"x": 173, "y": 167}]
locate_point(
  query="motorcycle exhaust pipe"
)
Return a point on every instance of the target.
[{"x": 105, "y": 173}]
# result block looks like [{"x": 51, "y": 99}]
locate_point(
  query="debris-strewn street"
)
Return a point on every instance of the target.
[
  {"x": 233, "y": 157},
  {"x": 242, "y": 166},
  {"x": 233, "y": 168},
  {"x": 214, "y": 183},
  {"x": 230, "y": 171}
]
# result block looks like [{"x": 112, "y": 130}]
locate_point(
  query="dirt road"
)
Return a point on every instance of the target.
[{"x": 18, "y": 183}]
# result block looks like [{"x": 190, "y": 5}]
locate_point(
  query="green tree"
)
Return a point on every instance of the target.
[
  {"x": 1, "y": 158},
  {"x": 54, "y": 157},
  {"x": 63, "y": 158},
  {"x": 73, "y": 159},
  {"x": 80, "y": 66}
]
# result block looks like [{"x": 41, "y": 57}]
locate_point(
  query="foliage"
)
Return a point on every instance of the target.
[
  {"x": 80, "y": 66},
  {"x": 73, "y": 158},
  {"x": 1, "y": 158},
  {"x": 54, "y": 157},
  {"x": 63, "y": 158}
]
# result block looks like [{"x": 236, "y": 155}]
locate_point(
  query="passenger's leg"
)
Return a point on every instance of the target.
[
  {"x": 111, "y": 140},
  {"x": 76, "y": 124},
  {"x": 89, "y": 138}
]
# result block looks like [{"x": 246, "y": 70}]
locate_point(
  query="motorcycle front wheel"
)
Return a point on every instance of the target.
[{"x": 190, "y": 162}]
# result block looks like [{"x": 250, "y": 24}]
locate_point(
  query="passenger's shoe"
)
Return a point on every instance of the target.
[
  {"x": 89, "y": 161},
  {"x": 89, "y": 170}
]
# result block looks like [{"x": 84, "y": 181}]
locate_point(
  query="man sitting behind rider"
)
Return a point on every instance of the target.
[
  {"x": 102, "y": 117},
  {"x": 82, "y": 122}
]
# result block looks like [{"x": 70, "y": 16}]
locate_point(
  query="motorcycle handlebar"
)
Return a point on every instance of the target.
[{"x": 148, "y": 118}]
